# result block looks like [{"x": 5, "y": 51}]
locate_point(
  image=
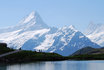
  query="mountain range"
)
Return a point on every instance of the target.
[
  {"x": 95, "y": 32},
  {"x": 33, "y": 34}
]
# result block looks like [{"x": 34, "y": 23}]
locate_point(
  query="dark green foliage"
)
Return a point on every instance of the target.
[
  {"x": 3, "y": 44},
  {"x": 87, "y": 57},
  {"x": 27, "y": 56},
  {"x": 4, "y": 48}
]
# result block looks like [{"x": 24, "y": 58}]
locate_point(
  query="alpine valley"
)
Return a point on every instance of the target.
[{"x": 33, "y": 34}]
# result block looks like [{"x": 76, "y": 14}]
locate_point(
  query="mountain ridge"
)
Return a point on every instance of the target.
[{"x": 95, "y": 32}]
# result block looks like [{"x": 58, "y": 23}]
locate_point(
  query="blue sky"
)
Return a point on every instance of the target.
[{"x": 54, "y": 12}]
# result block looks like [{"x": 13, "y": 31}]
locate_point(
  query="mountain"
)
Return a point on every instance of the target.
[
  {"x": 95, "y": 32},
  {"x": 65, "y": 41},
  {"x": 33, "y": 34},
  {"x": 31, "y": 22}
]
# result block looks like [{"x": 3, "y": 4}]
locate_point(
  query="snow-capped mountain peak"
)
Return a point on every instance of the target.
[
  {"x": 69, "y": 28},
  {"x": 72, "y": 28},
  {"x": 29, "y": 17},
  {"x": 31, "y": 22},
  {"x": 32, "y": 19},
  {"x": 95, "y": 32}
]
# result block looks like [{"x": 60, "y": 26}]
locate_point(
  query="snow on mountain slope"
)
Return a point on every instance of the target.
[
  {"x": 16, "y": 40},
  {"x": 33, "y": 34},
  {"x": 95, "y": 32},
  {"x": 65, "y": 41},
  {"x": 30, "y": 27},
  {"x": 50, "y": 38},
  {"x": 31, "y": 22}
]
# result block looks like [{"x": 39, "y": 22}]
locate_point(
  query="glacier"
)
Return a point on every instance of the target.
[{"x": 33, "y": 34}]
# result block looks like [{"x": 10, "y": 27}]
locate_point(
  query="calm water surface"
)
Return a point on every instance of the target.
[{"x": 56, "y": 65}]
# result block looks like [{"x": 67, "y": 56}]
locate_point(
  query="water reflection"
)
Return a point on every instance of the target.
[
  {"x": 3, "y": 67},
  {"x": 56, "y": 65}
]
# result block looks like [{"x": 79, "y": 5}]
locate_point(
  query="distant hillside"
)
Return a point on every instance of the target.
[
  {"x": 89, "y": 50},
  {"x": 85, "y": 50},
  {"x": 88, "y": 53}
]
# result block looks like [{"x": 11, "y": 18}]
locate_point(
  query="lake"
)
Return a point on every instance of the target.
[{"x": 56, "y": 65}]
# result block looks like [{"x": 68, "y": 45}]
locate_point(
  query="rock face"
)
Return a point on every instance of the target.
[
  {"x": 33, "y": 34},
  {"x": 95, "y": 32}
]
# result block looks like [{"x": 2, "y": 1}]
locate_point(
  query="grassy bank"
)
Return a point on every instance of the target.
[
  {"x": 32, "y": 56},
  {"x": 87, "y": 57},
  {"x": 29, "y": 56}
]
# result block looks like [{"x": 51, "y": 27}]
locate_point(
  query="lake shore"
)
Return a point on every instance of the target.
[{"x": 31, "y": 56}]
